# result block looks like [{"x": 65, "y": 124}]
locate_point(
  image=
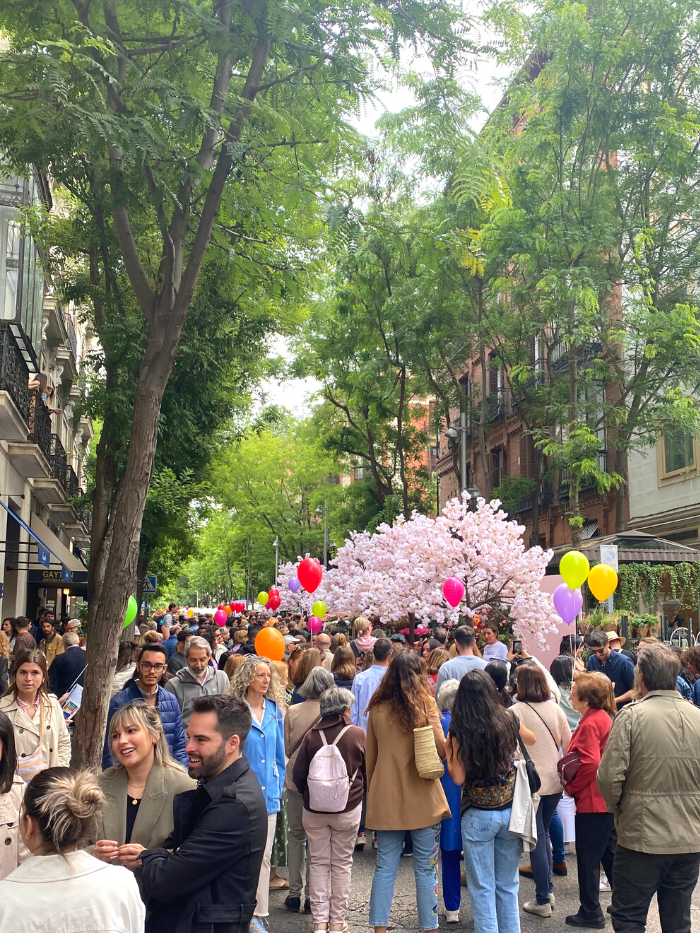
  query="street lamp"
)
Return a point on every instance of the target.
[
  {"x": 474, "y": 495},
  {"x": 324, "y": 512},
  {"x": 277, "y": 556},
  {"x": 461, "y": 433}
]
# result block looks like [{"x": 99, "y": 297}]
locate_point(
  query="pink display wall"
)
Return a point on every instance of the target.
[{"x": 546, "y": 655}]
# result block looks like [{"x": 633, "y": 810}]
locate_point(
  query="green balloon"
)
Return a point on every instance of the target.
[{"x": 131, "y": 610}]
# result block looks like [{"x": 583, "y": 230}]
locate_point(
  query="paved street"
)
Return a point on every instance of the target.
[{"x": 403, "y": 915}]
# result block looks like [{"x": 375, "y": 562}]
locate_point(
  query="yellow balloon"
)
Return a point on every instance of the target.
[
  {"x": 573, "y": 568},
  {"x": 602, "y": 582},
  {"x": 319, "y": 609},
  {"x": 263, "y": 598},
  {"x": 190, "y": 612}
]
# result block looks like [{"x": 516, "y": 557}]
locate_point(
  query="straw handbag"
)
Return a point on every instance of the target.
[{"x": 428, "y": 761}]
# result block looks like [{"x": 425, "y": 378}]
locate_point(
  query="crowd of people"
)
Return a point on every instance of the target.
[{"x": 221, "y": 766}]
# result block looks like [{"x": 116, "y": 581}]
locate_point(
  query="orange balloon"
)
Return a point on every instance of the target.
[{"x": 269, "y": 643}]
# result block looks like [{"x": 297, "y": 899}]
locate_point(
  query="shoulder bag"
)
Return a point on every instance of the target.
[
  {"x": 428, "y": 762},
  {"x": 533, "y": 777}
]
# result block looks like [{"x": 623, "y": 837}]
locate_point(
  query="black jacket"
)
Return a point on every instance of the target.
[
  {"x": 65, "y": 668},
  {"x": 208, "y": 883}
]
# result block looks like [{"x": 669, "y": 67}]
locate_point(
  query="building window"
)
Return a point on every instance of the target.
[{"x": 678, "y": 451}]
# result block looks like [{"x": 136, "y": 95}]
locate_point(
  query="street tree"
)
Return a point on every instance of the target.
[{"x": 177, "y": 126}]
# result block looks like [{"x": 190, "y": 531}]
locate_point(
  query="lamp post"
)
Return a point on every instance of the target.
[
  {"x": 324, "y": 512},
  {"x": 277, "y": 556},
  {"x": 461, "y": 433},
  {"x": 474, "y": 495}
]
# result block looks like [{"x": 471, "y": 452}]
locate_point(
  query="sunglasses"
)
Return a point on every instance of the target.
[{"x": 598, "y": 651}]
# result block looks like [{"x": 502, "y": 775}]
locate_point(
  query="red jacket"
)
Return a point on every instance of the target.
[{"x": 589, "y": 740}]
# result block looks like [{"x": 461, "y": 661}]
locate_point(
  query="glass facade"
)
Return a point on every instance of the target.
[{"x": 21, "y": 275}]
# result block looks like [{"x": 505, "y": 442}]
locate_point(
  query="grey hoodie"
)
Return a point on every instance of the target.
[{"x": 186, "y": 688}]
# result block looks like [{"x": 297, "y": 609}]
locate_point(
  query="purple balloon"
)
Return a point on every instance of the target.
[
  {"x": 578, "y": 598},
  {"x": 564, "y": 600},
  {"x": 294, "y": 585}
]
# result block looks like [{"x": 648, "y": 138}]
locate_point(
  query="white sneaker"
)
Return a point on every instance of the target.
[
  {"x": 604, "y": 886},
  {"x": 542, "y": 910},
  {"x": 452, "y": 916}
]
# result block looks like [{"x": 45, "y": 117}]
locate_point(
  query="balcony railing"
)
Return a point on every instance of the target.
[
  {"x": 58, "y": 460},
  {"x": 544, "y": 499},
  {"x": 588, "y": 483},
  {"x": 85, "y": 515},
  {"x": 498, "y": 403},
  {"x": 14, "y": 373},
  {"x": 559, "y": 357},
  {"x": 72, "y": 485},
  {"x": 39, "y": 423},
  {"x": 72, "y": 340}
]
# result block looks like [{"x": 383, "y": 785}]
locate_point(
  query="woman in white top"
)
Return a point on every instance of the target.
[
  {"x": 542, "y": 716},
  {"x": 41, "y": 735},
  {"x": 12, "y": 787},
  {"x": 62, "y": 887}
]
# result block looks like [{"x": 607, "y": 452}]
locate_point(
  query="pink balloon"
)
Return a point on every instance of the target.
[
  {"x": 220, "y": 617},
  {"x": 564, "y": 600},
  {"x": 314, "y": 625},
  {"x": 453, "y": 591}
]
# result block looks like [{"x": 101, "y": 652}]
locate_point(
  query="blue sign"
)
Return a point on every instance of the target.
[
  {"x": 65, "y": 573},
  {"x": 44, "y": 556},
  {"x": 151, "y": 584}
]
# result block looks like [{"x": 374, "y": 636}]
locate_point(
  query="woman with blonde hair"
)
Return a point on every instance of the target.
[
  {"x": 363, "y": 640},
  {"x": 436, "y": 659},
  {"x": 63, "y": 887},
  {"x": 343, "y": 667},
  {"x": 309, "y": 659},
  {"x": 4, "y": 661},
  {"x": 256, "y": 681},
  {"x": 142, "y": 784},
  {"x": 232, "y": 665},
  {"x": 40, "y": 728}
]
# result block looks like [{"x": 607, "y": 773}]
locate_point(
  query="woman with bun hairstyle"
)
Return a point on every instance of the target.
[
  {"x": 63, "y": 887},
  {"x": 12, "y": 788},
  {"x": 41, "y": 735}
]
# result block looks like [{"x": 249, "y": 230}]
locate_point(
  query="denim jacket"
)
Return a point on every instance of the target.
[{"x": 264, "y": 749}]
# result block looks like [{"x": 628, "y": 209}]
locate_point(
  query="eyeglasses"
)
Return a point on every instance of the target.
[
  {"x": 146, "y": 666},
  {"x": 598, "y": 651}
]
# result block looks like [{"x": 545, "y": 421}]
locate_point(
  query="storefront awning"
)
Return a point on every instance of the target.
[{"x": 57, "y": 547}]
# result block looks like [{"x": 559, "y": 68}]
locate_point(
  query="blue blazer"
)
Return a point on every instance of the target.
[
  {"x": 170, "y": 716},
  {"x": 264, "y": 749}
]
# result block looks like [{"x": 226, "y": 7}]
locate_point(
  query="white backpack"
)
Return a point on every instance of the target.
[{"x": 328, "y": 780}]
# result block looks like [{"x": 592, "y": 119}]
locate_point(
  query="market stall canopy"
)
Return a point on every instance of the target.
[{"x": 634, "y": 547}]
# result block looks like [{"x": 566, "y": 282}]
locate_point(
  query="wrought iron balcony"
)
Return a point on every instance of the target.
[
  {"x": 544, "y": 499},
  {"x": 85, "y": 515},
  {"x": 72, "y": 487},
  {"x": 39, "y": 423},
  {"x": 71, "y": 339},
  {"x": 14, "y": 372},
  {"x": 58, "y": 461},
  {"x": 498, "y": 403}
]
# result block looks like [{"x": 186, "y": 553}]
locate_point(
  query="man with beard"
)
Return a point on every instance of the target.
[{"x": 206, "y": 875}]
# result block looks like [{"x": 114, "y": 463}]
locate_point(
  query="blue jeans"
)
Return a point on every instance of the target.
[
  {"x": 451, "y": 880},
  {"x": 491, "y": 858},
  {"x": 556, "y": 837},
  {"x": 425, "y": 854},
  {"x": 541, "y": 856}
]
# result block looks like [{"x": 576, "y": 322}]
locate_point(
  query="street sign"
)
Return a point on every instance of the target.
[
  {"x": 608, "y": 555},
  {"x": 151, "y": 584}
]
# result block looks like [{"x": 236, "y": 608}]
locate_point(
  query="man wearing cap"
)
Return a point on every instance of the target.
[{"x": 605, "y": 660}]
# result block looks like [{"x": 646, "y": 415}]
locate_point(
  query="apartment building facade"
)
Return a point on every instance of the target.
[{"x": 44, "y": 434}]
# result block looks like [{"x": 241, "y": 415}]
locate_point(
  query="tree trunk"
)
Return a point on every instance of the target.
[
  {"x": 107, "y": 606},
  {"x": 537, "y": 470},
  {"x": 621, "y": 467},
  {"x": 483, "y": 417},
  {"x": 411, "y": 628},
  {"x": 399, "y": 445},
  {"x": 573, "y": 421}
]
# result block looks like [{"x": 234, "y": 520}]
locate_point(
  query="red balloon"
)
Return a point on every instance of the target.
[
  {"x": 273, "y": 599},
  {"x": 233, "y": 607},
  {"x": 310, "y": 574}
]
